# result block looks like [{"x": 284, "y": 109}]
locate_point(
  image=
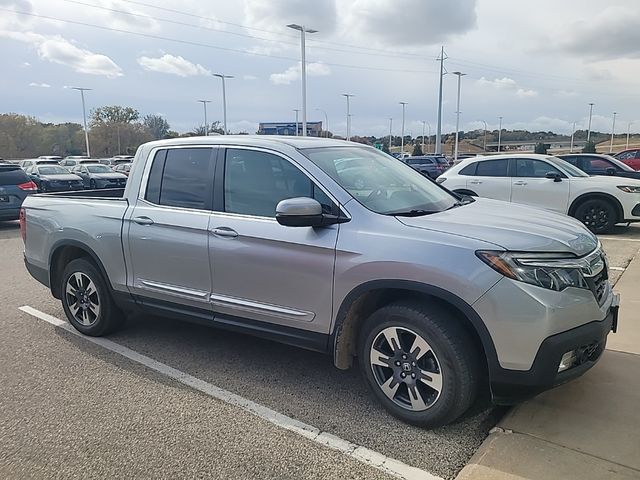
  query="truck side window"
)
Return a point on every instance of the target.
[
  {"x": 182, "y": 178},
  {"x": 254, "y": 183}
]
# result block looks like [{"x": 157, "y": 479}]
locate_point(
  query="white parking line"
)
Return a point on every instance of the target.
[
  {"x": 362, "y": 454},
  {"x": 620, "y": 269}
]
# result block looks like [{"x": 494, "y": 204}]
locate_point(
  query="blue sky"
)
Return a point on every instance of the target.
[{"x": 536, "y": 64}]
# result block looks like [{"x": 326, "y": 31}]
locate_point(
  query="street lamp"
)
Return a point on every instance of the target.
[
  {"x": 424, "y": 123},
  {"x": 303, "y": 65},
  {"x": 390, "y": 127},
  {"x": 224, "y": 99},
  {"x": 500, "y": 134},
  {"x": 628, "y": 132},
  {"x": 590, "y": 115},
  {"x": 84, "y": 116},
  {"x": 485, "y": 135},
  {"x": 404, "y": 104},
  {"x": 455, "y": 154},
  {"x": 297, "y": 110},
  {"x": 573, "y": 132},
  {"x": 206, "y": 125},
  {"x": 348, "y": 96},
  {"x": 326, "y": 121},
  {"x": 613, "y": 130}
]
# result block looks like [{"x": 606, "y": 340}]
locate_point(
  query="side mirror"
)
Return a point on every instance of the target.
[
  {"x": 304, "y": 212},
  {"x": 554, "y": 175},
  {"x": 610, "y": 171}
]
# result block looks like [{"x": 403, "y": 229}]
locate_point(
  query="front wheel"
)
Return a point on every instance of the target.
[
  {"x": 597, "y": 214},
  {"x": 86, "y": 300},
  {"x": 92, "y": 184},
  {"x": 419, "y": 362}
]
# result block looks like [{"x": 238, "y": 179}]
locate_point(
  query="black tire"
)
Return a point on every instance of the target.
[
  {"x": 92, "y": 184},
  {"x": 43, "y": 188},
  {"x": 452, "y": 353},
  {"x": 598, "y": 215},
  {"x": 108, "y": 318}
]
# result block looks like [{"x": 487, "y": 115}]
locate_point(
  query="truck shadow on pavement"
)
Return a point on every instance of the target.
[{"x": 301, "y": 384}]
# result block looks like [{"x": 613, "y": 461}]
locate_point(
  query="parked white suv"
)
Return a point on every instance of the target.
[{"x": 548, "y": 182}]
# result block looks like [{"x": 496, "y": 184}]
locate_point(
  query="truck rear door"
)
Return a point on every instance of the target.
[{"x": 168, "y": 250}]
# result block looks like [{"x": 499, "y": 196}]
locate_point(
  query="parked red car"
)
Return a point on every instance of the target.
[{"x": 631, "y": 157}]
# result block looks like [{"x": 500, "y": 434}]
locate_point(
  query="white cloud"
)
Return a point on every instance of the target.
[
  {"x": 174, "y": 65},
  {"x": 249, "y": 77},
  {"x": 291, "y": 74},
  {"x": 39, "y": 85},
  {"x": 129, "y": 19},
  {"x": 508, "y": 85},
  {"x": 57, "y": 49},
  {"x": 26, "y": 64}
]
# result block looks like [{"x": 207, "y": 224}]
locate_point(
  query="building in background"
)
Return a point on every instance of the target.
[{"x": 314, "y": 129}]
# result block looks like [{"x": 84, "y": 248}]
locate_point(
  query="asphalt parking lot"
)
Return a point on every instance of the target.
[{"x": 71, "y": 408}]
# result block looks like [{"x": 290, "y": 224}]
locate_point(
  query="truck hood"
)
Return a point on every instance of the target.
[{"x": 510, "y": 226}]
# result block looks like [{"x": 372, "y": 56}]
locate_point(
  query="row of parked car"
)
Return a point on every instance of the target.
[{"x": 57, "y": 174}]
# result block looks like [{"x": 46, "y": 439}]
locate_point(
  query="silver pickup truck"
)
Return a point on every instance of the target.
[{"x": 337, "y": 247}]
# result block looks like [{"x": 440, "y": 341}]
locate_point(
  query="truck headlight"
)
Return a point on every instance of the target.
[
  {"x": 546, "y": 270},
  {"x": 629, "y": 188}
]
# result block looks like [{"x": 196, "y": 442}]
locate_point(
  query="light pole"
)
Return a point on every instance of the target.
[
  {"x": 613, "y": 131},
  {"x": 500, "y": 134},
  {"x": 573, "y": 132},
  {"x": 438, "y": 148},
  {"x": 303, "y": 65},
  {"x": 390, "y": 127},
  {"x": 326, "y": 121},
  {"x": 224, "y": 99},
  {"x": 84, "y": 116},
  {"x": 628, "y": 132},
  {"x": 589, "y": 128},
  {"x": 455, "y": 153},
  {"x": 404, "y": 104},
  {"x": 206, "y": 125},
  {"x": 424, "y": 124},
  {"x": 297, "y": 110},
  {"x": 348, "y": 96},
  {"x": 485, "y": 135}
]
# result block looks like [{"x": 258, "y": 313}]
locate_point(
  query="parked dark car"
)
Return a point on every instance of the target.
[
  {"x": 630, "y": 156},
  {"x": 123, "y": 168},
  {"x": 54, "y": 178},
  {"x": 595, "y": 164},
  {"x": 15, "y": 185},
  {"x": 429, "y": 165},
  {"x": 96, "y": 175}
]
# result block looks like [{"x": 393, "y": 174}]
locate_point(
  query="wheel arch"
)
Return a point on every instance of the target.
[
  {"x": 598, "y": 195},
  {"x": 63, "y": 252},
  {"x": 363, "y": 300}
]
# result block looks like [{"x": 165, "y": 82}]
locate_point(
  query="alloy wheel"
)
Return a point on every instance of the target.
[
  {"x": 82, "y": 298},
  {"x": 596, "y": 217},
  {"x": 406, "y": 368}
]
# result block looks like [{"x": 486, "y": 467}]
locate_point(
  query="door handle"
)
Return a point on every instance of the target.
[
  {"x": 475, "y": 182},
  {"x": 143, "y": 220},
  {"x": 520, "y": 183},
  {"x": 224, "y": 232}
]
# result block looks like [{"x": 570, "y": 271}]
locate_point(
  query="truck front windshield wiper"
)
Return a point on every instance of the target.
[{"x": 412, "y": 213}]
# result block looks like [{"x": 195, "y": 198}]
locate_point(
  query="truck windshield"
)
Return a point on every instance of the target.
[{"x": 380, "y": 182}]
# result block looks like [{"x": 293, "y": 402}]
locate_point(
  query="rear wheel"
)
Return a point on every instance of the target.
[
  {"x": 86, "y": 300},
  {"x": 598, "y": 215},
  {"x": 419, "y": 362}
]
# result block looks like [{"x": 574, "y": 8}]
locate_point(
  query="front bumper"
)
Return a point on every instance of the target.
[{"x": 511, "y": 386}]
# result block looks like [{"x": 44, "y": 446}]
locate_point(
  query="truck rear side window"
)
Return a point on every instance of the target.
[{"x": 181, "y": 177}]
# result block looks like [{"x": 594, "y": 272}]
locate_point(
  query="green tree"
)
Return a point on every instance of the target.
[
  {"x": 157, "y": 126},
  {"x": 540, "y": 148},
  {"x": 589, "y": 147},
  {"x": 417, "y": 149},
  {"x": 200, "y": 130},
  {"x": 113, "y": 114}
]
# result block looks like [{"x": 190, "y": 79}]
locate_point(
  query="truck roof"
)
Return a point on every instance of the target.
[{"x": 256, "y": 140}]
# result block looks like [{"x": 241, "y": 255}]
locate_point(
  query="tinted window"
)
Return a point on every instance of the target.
[
  {"x": 469, "y": 169},
  {"x": 419, "y": 161},
  {"x": 442, "y": 160},
  {"x": 254, "y": 183},
  {"x": 12, "y": 176},
  {"x": 527, "y": 167},
  {"x": 182, "y": 179},
  {"x": 493, "y": 168},
  {"x": 52, "y": 170},
  {"x": 99, "y": 169}
]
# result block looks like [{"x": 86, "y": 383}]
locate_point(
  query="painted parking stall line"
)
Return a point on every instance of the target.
[{"x": 362, "y": 454}]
